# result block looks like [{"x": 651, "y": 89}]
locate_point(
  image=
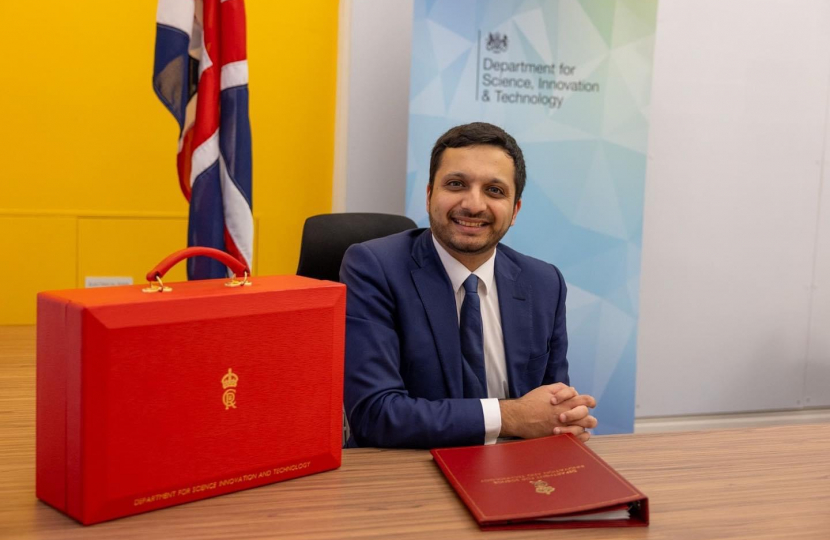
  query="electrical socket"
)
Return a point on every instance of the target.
[{"x": 106, "y": 281}]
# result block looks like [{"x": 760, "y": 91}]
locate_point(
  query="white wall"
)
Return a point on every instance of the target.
[
  {"x": 373, "y": 105},
  {"x": 735, "y": 290},
  {"x": 737, "y": 140}
]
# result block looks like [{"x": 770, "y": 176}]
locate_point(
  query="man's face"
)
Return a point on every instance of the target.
[{"x": 471, "y": 202}]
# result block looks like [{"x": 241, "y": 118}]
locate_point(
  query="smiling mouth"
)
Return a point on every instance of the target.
[{"x": 473, "y": 224}]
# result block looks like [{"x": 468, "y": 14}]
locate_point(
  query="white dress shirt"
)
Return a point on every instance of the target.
[{"x": 495, "y": 364}]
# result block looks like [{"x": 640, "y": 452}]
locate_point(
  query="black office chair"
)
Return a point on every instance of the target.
[{"x": 327, "y": 237}]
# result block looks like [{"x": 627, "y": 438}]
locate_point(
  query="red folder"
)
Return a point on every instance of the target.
[
  {"x": 551, "y": 482},
  {"x": 150, "y": 399}
]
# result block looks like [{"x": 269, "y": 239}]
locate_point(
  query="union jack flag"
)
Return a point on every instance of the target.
[{"x": 201, "y": 76}]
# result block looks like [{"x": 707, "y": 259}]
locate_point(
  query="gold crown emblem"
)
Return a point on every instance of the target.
[
  {"x": 230, "y": 380},
  {"x": 543, "y": 487}
]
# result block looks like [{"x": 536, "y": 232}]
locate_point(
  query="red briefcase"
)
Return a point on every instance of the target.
[{"x": 150, "y": 397}]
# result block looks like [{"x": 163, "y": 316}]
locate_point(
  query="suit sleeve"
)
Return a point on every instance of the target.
[
  {"x": 380, "y": 410},
  {"x": 557, "y": 370}
]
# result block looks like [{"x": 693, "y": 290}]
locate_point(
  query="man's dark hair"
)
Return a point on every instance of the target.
[{"x": 475, "y": 134}]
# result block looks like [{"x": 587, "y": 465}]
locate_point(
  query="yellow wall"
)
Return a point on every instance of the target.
[{"x": 88, "y": 181}]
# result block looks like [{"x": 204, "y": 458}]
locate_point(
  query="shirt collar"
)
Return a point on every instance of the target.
[{"x": 458, "y": 273}]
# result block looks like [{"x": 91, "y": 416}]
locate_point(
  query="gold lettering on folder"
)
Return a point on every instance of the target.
[{"x": 229, "y": 383}]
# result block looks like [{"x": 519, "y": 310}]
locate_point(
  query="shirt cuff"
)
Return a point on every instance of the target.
[{"x": 492, "y": 420}]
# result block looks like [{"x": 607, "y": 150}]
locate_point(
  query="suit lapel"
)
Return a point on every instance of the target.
[
  {"x": 516, "y": 320},
  {"x": 436, "y": 294}
]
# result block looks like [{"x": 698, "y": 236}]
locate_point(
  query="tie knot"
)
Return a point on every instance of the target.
[{"x": 471, "y": 284}]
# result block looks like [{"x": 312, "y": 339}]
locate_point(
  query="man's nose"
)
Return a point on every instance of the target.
[{"x": 474, "y": 201}]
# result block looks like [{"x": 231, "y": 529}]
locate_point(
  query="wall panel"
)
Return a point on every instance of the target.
[
  {"x": 730, "y": 217},
  {"x": 817, "y": 372},
  {"x": 130, "y": 247},
  {"x": 38, "y": 254}
]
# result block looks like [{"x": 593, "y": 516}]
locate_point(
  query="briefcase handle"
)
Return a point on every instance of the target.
[{"x": 239, "y": 268}]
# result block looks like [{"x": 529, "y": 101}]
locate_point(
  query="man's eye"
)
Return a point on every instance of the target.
[
  {"x": 454, "y": 183},
  {"x": 495, "y": 190}
]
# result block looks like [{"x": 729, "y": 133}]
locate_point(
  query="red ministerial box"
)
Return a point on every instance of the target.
[{"x": 147, "y": 400}]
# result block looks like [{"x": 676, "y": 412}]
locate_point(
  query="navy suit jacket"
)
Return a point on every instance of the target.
[{"x": 403, "y": 373}]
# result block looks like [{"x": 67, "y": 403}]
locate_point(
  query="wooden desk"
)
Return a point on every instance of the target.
[{"x": 753, "y": 484}]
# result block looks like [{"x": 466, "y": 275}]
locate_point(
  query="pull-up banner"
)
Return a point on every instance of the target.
[{"x": 570, "y": 80}]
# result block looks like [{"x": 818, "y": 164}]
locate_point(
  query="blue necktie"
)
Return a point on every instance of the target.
[{"x": 472, "y": 341}]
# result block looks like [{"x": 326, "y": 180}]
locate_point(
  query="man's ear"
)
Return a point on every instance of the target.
[
  {"x": 429, "y": 195},
  {"x": 516, "y": 209}
]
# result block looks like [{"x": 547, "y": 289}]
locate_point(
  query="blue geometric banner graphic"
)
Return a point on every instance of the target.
[{"x": 571, "y": 81}]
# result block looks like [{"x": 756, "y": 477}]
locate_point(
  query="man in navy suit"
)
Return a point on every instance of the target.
[{"x": 451, "y": 337}]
